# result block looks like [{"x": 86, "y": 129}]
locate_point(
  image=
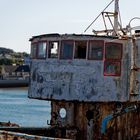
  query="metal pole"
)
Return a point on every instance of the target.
[
  {"x": 133, "y": 59},
  {"x": 116, "y": 12}
]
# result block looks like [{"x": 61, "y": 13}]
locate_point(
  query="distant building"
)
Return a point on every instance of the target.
[
  {"x": 15, "y": 72},
  {"x": 23, "y": 70},
  {"x": 8, "y": 71}
]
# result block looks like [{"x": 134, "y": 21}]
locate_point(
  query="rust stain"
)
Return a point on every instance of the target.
[{"x": 88, "y": 117}]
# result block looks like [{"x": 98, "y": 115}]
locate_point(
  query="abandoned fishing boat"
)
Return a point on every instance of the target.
[{"x": 92, "y": 81}]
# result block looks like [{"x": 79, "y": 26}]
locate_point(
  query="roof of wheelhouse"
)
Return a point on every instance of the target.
[{"x": 70, "y": 35}]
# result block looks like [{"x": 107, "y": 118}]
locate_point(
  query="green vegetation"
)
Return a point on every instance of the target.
[
  {"x": 9, "y": 57},
  {"x": 6, "y": 61}
]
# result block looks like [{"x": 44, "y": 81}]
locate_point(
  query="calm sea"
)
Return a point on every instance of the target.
[{"x": 16, "y": 107}]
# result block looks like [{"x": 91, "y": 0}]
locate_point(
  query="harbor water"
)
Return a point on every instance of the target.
[{"x": 15, "y": 106}]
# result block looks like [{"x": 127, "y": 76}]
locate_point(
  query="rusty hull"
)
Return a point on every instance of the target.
[{"x": 86, "y": 119}]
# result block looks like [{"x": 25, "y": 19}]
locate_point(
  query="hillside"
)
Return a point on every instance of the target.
[
  {"x": 5, "y": 51},
  {"x": 9, "y": 57}
]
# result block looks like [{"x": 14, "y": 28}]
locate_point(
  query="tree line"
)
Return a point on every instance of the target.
[{"x": 9, "y": 57}]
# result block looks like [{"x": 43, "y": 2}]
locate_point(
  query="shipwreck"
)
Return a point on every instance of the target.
[{"x": 92, "y": 81}]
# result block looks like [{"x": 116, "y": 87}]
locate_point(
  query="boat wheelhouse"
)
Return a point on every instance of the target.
[{"x": 79, "y": 67}]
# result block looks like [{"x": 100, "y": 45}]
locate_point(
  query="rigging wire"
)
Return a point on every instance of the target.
[{"x": 98, "y": 16}]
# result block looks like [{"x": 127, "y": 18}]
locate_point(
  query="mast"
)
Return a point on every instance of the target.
[{"x": 116, "y": 13}]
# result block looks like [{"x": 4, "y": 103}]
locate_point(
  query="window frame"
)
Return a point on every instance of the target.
[
  {"x": 119, "y": 45},
  {"x": 86, "y": 42},
  {"x": 58, "y": 53},
  {"x": 90, "y": 41},
  {"x": 112, "y": 60},
  {"x": 62, "y": 47},
  {"x": 34, "y": 43},
  {"x": 111, "y": 74},
  {"x": 38, "y": 50}
]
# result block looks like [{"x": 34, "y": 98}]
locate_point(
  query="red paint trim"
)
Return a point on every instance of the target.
[
  {"x": 116, "y": 62},
  {"x": 112, "y": 60},
  {"x": 118, "y": 45},
  {"x": 102, "y": 43}
]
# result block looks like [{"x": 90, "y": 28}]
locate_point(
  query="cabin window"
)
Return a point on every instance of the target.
[
  {"x": 67, "y": 49},
  {"x": 33, "y": 50},
  {"x": 80, "y": 49},
  {"x": 96, "y": 49},
  {"x": 113, "y": 51},
  {"x": 112, "y": 68},
  {"x": 113, "y": 56},
  {"x": 53, "y": 49},
  {"x": 41, "y": 50}
]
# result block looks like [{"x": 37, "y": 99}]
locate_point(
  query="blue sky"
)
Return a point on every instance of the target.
[{"x": 22, "y": 19}]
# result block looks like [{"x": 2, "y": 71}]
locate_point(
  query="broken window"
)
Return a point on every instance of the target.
[
  {"x": 96, "y": 49},
  {"x": 112, "y": 68},
  {"x": 80, "y": 49},
  {"x": 113, "y": 51},
  {"x": 33, "y": 50},
  {"x": 53, "y": 49},
  {"x": 67, "y": 50},
  {"x": 41, "y": 50},
  {"x": 113, "y": 56}
]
